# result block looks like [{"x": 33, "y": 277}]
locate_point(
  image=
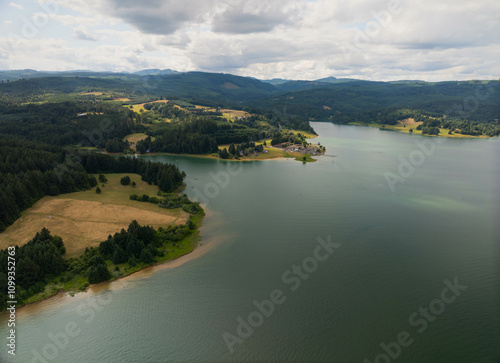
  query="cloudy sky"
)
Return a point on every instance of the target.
[{"x": 294, "y": 39}]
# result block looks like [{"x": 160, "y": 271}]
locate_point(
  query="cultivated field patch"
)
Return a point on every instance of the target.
[{"x": 84, "y": 219}]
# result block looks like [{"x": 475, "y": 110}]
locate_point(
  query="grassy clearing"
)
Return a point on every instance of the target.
[
  {"x": 306, "y": 134},
  {"x": 134, "y": 138},
  {"x": 105, "y": 96},
  {"x": 272, "y": 153},
  {"x": 79, "y": 283},
  {"x": 206, "y": 108},
  {"x": 231, "y": 115},
  {"x": 406, "y": 126},
  {"x": 91, "y": 93},
  {"x": 140, "y": 107},
  {"x": 84, "y": 219},
  {"x": 305, "y": 158}
]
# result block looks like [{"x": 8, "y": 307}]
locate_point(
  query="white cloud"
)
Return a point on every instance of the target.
[
  {"x": 83, "y": 34},
  {"x": 71, "y": 20},
  {"x": 16, "y": 5},
  {"x": 371, "y": 39},
  {"x": 245, "y": 17}
]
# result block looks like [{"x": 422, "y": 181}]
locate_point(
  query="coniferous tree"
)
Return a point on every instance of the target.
[
  {"x": 125, "y": 180},
  {"x": 146, "y": 256},
  {"x": 119, "y": 256}
]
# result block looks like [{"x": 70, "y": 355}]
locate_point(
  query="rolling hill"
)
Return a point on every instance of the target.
[{"x": 338, "y": 100}]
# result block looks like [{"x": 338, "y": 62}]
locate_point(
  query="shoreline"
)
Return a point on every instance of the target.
[
  {"x": 415, "y": 132},
  {"x": 145, "y": 270},
  {"x": 64, "y": 297},
  {"x": 204, "y": 156},
  {"x": 258, "y": 157},
  {"x": 261, "y": 156}
]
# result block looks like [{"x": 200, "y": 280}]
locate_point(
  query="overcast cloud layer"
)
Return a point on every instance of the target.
[{"x": 295, "y": 39}]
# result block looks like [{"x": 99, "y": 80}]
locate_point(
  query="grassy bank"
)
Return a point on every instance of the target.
[
  {"x": 272, "y": 153},
  {"x": 80, "y": 283},
  {"x": 401, "y": 127},
  {"x": 84, "y": 219}
]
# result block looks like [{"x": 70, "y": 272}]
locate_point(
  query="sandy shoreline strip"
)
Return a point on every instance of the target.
[{"x": 64, "y": 297}]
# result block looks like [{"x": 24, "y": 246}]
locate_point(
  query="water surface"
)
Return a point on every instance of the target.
[{"x": 396, "y": 248}]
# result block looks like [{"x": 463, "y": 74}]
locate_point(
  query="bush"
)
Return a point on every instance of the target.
[
  {"x": 98, "y": 274},
  {"x": 120, "y": 256},
  {"x": 125, "y": 180},
  {"x": 92, "y": 180},
  {"x": 132, "y": 261},
  {"x": 192, "y": 208},
  {"x": 146, "y": 256}
]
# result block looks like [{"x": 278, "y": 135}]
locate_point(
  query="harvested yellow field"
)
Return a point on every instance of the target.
[
  {"x": 140, "y": 107},
  {"x": 92, "y": 93},
  {"x": 409, "y": 122},
  {"x": 84, "y": 219},
  {"x": 233, "y": 114},
  {"x": 134, "y": 138}
]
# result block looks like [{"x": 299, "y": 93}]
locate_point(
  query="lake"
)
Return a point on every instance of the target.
[{"x": 385, "y": 249}]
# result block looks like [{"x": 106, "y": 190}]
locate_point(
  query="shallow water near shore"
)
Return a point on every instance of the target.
[{"x": 394, "y": 251}]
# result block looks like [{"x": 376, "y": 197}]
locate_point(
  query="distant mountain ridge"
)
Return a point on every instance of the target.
[
  {"x": 339, "y": 99},
  {"x": 156, "y": 72},
  {"x": 198, "y": 85},
  {"x": 13, "y": 75}
]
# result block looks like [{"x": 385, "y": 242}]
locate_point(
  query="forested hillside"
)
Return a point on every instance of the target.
[
  {"x": 30, "y": 170},
  {"x": 192, "y": 85},
  {"x": 66, "y": 123},
  {"x": 470, "y": 106}
]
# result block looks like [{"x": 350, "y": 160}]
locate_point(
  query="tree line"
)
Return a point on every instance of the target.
[
  {"x": 242, "y": 149},
  {"x": 68, "y": 123},
  {"x": 40, "y": 261},
  {"x": 37, "y": 262},
  {"x": 30, "y": 170},
  {"x": 170, "y": 201}
]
